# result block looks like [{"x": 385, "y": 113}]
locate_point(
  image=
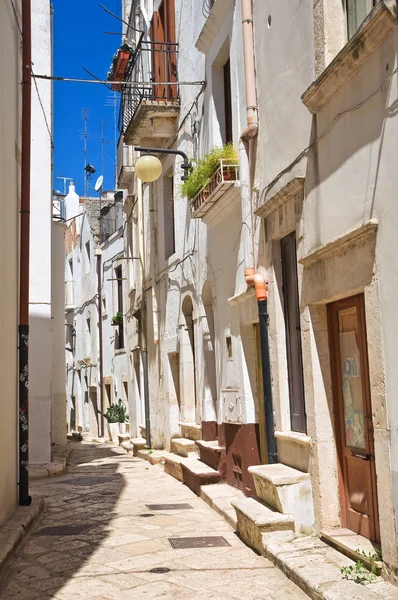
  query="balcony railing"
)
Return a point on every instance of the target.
[{"x": 152, "y": 62}]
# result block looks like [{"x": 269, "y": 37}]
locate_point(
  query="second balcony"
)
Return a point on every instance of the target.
[{"x": 150, "y": 102}]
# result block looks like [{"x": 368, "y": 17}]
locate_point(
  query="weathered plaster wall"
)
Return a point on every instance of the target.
[
  {"x": 284, "y": 123},
  {"x": 10, "y": 157}
]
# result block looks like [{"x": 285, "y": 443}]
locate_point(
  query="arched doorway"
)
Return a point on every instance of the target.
[{"x": 190, "y": 412}]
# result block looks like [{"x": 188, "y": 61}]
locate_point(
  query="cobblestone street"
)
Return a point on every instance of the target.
[{"x": 104, "y": 541}]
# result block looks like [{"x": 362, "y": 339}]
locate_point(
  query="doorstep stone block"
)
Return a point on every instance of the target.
[
  {"x": 287, "y": 491},
  {"x": 196, "y": 474},
  {"x": 123, "y": 437},
  {"x": 172, "y": 465},
  {"x": 138, "y": 444},
  {"x": 254, "y": 519},
  {"x": 184, "y": 447},
  {"x": 191, "y": 431}
]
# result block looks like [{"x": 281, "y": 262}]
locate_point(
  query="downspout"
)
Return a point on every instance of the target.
[
  {"x": 101, "y": 433},
  {"x": 250, "y": 74},
  {"x": 257, "y": 281},
  {"x": 24, "y": 257}
]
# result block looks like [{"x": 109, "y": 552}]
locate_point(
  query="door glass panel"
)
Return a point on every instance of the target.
[
  {"x": 357, "y": 11},
  {"x": 354, "y": 422}
]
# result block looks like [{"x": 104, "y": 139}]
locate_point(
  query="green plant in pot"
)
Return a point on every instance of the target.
[
  {"x": 117, "y": 319},
  {"x": 206, "y": 167},
  {"x": 112, "y": 418},
  {"x": 123, "y": 416}
]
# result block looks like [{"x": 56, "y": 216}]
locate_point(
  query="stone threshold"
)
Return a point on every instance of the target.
[
  {"x": 57, "y": 466},
  {"x": 14, "y": 529},
  {"x": 353, "y": 545}
]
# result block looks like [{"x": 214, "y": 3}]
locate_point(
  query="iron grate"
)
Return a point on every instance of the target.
[
  {"x": 216, "y": 541},
  {"x": 63, "y": 530},
  {"x": 168, "y": 506}
]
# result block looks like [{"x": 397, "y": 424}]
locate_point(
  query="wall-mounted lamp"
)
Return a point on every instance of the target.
[{"x": 148, "y": 167}]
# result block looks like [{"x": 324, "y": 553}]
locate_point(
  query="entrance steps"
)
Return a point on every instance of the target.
[
  {"x": 254, "y": 519},
  {"x": 190, "y": 471},
  {"x": 190, "y": 430},
  {"x": 213, "y": 455},
  {"x": 287, "y": 491},
  {"x": 184, "y": 447},
  {"x": 133, "y": 445}
]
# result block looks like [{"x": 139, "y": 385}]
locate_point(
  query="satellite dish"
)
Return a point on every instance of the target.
[{"x": 98, "y": 183}]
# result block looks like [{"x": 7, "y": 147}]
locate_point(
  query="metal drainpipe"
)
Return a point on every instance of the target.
[
  {"x": 257, "y": 281},
  {"x": 144, "y": 353},
  {"x": 101, "y": 360},
  {"x": 23, "y": 330}
]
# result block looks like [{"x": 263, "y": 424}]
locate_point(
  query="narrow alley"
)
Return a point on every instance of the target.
[{"x": 99, "y": 538}]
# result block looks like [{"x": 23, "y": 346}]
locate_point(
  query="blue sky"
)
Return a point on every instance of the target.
[{"x": 80, "y": 41}]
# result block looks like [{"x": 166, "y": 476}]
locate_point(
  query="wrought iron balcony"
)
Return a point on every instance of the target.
[{"x": 149, "y": 110}]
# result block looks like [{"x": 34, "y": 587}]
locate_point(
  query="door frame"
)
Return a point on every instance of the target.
[{"x": 332, "y": 310}]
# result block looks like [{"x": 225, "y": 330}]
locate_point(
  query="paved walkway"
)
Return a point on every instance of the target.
[{"x": 102, "y": 546}]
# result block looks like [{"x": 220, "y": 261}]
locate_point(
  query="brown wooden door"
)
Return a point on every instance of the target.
[
  {"x": 293, "y": 333},
  {"x": 164, "y": 51},
  {"x": 353, "y": 416}
]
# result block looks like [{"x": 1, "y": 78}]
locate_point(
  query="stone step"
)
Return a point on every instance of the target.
[
  {"x": 197, "y": 474},
  {"x": 254, "y": 519},
  {"x": 190, "y": 430},
  {"x": 184, "y": 447},
  {"x": 123, "y": 437},
  {"x": 287, "y": 491},
  {"x": 172, "y": 465},
  {"x": 154, "y": 457},
  {"x": 138, "y": 444},
  {"x": 214, "y": 455},
  {"x": 219, "y": 497},
  {"x": 190, "y": 471}
]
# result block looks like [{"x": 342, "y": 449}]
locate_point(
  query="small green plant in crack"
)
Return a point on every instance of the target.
[
  {"x": 359, "y": 573},
  {"x": 374, "y": 556}
]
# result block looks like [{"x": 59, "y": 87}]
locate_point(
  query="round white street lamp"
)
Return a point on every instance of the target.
[{"x": 148, "y": 168}]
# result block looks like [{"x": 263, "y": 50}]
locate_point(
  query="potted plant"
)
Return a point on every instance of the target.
[
  {"x": 119, "y": 65},
  {"x": 123, "y": 416},
  {"x": 117, "y": 319},
  {"x": 112, "y": 418},
  {"x": 204, "y": 170}
]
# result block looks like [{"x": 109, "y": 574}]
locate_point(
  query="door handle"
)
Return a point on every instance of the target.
[{"x": 362, "y": 455}]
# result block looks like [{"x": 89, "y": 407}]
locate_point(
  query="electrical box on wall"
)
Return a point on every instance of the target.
[{"x": 232, "y": 406}]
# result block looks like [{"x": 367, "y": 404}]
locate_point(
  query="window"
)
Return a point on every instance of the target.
[
  {"x": 228, "y": 340},
  {"x": 293, "y": 333},
  {"x": 357, "y": 11},
  {"x": 88, "y": 322},
  {"x": 227, "y": 102},
  {"x": 119, "y": 335},
  {"x": 168, "y": 209},
  {"x": 71, "y": 267},
  {"x": 88, "y": 257}
]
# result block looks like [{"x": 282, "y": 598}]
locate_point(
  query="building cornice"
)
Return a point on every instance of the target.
[
  {"x": 374, "y": 30},
  {"x": 340, "y": 244},
  {"x": 267, "y": 206}
]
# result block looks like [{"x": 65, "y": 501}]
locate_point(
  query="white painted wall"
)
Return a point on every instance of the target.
[
  {"x": 40, "y": 343},
  {"x": 10, "y": 157}
]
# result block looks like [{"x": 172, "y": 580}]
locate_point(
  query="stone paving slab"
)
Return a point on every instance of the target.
[
  {"x": 15, "y": 527},
  {"x": 113, "y": 558}
]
